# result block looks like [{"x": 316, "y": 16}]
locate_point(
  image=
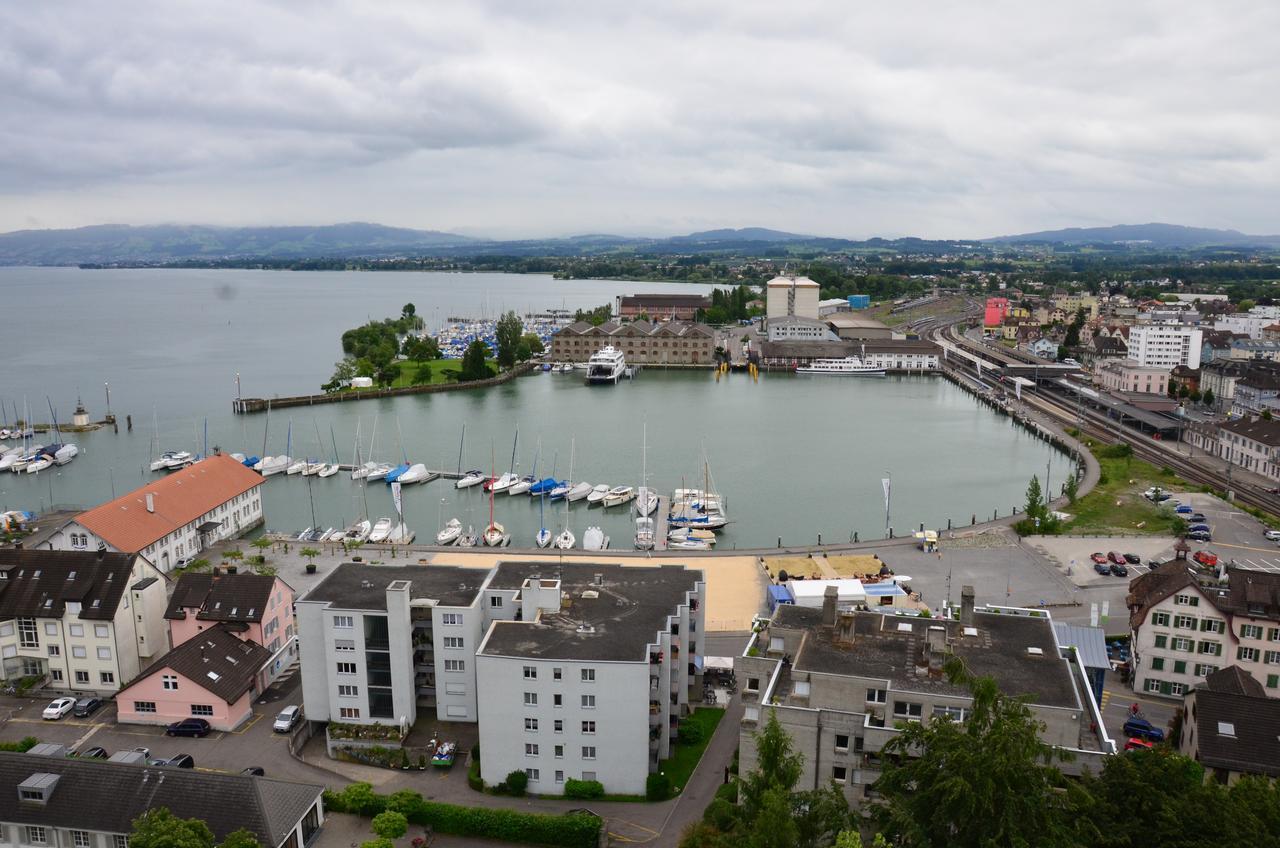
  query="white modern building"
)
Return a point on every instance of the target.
[
  {"x": 172, "y": 518},
  {"x": 791, "y": 295},
  {"x": 590, "y": 681},
  {"x": 82, "y": 622},
  {"x": 791, "y": 328},
  {"x": 1165, "y": 345}
]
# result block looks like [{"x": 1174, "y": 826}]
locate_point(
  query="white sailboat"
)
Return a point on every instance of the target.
[
  {"x": 565, "y": 539},
  {"x": 578, "y": 491},
  {"x": 358, "y": 532},
  {"x": 417, "y": 473},
  {"x": 644, "y": 533},
  {"x": 449, "y": 533},
  {"x": 495, "y": 535},
  {"x": 329, "y": 470}
]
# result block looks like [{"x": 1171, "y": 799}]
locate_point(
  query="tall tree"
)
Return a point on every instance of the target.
[
  {"x": 507, "y": 332},
  {"x": 159, "y": 828},
  {"x": 474, "y": 366},
  {"x": 1035, "y": 507},
  {"x": 778, "y": 766},
  {"x": 240, "y": 839}
]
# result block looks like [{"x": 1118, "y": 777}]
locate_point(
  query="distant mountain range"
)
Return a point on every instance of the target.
[
  {"x": 1154, "y": 235},
  {"x": 117, "y": 244}
]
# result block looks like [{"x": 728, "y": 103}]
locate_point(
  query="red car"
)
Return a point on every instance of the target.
[
  {"x": 1099, "y": 558},
  {"x": 1116, "y": 557},
  {"x": 1135, "y": 744},
  {"x": 1205, "y": 558}
]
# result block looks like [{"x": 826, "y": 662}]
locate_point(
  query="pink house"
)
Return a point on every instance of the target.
[
  {"x": 256, "y": 608},
  {"x": 213, "y": 676}
]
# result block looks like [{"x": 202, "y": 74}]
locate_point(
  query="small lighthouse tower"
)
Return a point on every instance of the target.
[{"x": 81, "y": 417}]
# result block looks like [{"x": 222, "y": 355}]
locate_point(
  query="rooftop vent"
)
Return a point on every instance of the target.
[
  {"x": 1226, "y": 728},
  {"x": 214, "y": 676},
  {"x": 1035, "y": 652},
  {"x": 970, "y": 631},
  {"x": 590, "y": 595},
  {"x": 366, "y": 584},
  {"x": 904, "y": 627},
  {"x": 71, "y": 575},
  {"x": 598, "y": 579}
]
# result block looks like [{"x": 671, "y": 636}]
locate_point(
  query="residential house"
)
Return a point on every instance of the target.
[
  {"x": 172, "y": 518},
  {"x": 1221, "y": 375},
  {"x": 1252, "y": 444},
  {"x": 256, "y": 607},
  {"x": 1044, "y": 348},
  {"x": 56, "y": 800},
  {"x": 901, "y": 355},
  {"x": 1255, "y": 393},
  {"x": 1231, "y": 727},
  {"x": 1254, "y": 349},
  {"x": 1126, "y": 375},
  {"x": 1165, "y": 345},
  {"x": 997, "y": 309},
  {"x": 82, "y": 621}
]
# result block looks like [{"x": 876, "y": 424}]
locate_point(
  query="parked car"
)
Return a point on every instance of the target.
[
  {"x": 1098, "y": 557},
  {"x": 1184, "y": 509},
  {"x": 1119, "y": 570},
  {"x": 1102, "y": 568},
  {"x": 1197, "y": 518},
  {"x": 1133, "y": 559},
  {"x": 58, "y": 708},
  {"x": 1206, "y": 558},
  {"x": 94, "y": 753},
  {"x": 1136, "y": 744},
  {"x": 1153, "y": 565},
  {"x": 256, "y": 771},
  {"x": 287, "y": 719},
  {"x": 188, "y": 727},
  {"x": 1272, "y": 535},
  {"x": 146, "y": 752},
  {"x": 1199, "y": 527},
  {"x": 1143, "y": 729},
  {"x": 86, "y": 707},
  {"x": 180, "y": 761},
  {"x": 1116, "y": 557},
  {"x": 1200, "y": 536}
]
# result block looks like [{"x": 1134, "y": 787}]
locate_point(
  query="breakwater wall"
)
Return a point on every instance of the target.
[{"x": 245, "y": 406}]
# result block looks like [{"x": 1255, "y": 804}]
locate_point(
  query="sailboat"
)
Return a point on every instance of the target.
[
  {"x": 565, "y": 540},
  {"x": 644, "y": 540},
  {"x": 510, "y": 478},
  {"x": 269, "y": 465},
  {"x": 543, "y": 536},
  {"x": 495, "y": 535},
  {"x": 475, "y": 476},
  {"x": 450, "y": 532},
  {"x": 701, "y": 508}
]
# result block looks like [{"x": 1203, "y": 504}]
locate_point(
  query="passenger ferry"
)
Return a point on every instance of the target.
[
  {"x": 849, "y": 366},
  {"x": 606, "y": 366}
]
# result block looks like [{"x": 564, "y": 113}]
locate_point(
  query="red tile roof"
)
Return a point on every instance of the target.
[{"x": 179, "y": 497}]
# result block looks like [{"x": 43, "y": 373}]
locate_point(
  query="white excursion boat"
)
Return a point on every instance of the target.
[
  {"x": 565, "y": 540},
  {"x": 606, "y": 366},
  {"x": 596, "y": 495},
  {"x": 594, "y": 539},
  {"x": 849, "y": 366},
  {"x": 619, "y": 495},
  {"x": 381, "y": 530},
  {"x": 417, "y": 473},
  {"x": 357, "y": 532},
  {"x": 578, "y": 491},
  {"x": 471, "y": 478},
  {"x": 644, "y": 533},
  {"x": 450, "y": 533}
]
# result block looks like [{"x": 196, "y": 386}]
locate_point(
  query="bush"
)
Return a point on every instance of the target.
[
  {"x": 728, "y": 792},
  {"x": 516, "y": 783},
  {"x": 474, "y": 780},
  {"x": 390, "y": 824},
  {"x": 583, "y": 789},
  {"x": 691, "y": 734},
  {"x": 657, "y": 787},
  {"x": 23, "y": 745},
  {"x": 720, "y": 814}
]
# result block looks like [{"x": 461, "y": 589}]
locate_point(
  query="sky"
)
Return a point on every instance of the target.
[{"x": 533, "y": 119}]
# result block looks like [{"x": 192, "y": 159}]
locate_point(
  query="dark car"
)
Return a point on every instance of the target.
[
  {"x": 1152, "y": 564},
  {"x": 180, "y": 761},
  {"x": 1198, "y": 518},
  {"x": 94, "y": 753},
  {"x": 1116, "y": 557},
  {"x": 1101, "y": 568},
  {"x": 1133, "y": 559},
  {"x": 1200, "y": 536},
  {"x": 1140, "y": 728},
  {"x": 86, "y": 707},
  {"x": 1098, "y": 557},
  {"x": 1119, "y": 570},
  {"x": 188, "y": 727},
  {"x": 1199, "y": 528},
  {"x": 255, "y": 771}
]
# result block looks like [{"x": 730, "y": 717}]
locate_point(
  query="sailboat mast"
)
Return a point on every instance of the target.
[
  {"x": 514, "y": 442},
  {"x": 461, "y": 442},
  {"x": 265, "y": 425}
]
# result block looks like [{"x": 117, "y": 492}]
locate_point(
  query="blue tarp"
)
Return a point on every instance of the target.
[{"x": 779, "y": 595}]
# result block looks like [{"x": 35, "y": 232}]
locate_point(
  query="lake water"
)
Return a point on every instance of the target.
[{"x": 794, "y": 456}]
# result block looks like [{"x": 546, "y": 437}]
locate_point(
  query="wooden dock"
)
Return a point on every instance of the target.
[{"x": 660, "y": 528}]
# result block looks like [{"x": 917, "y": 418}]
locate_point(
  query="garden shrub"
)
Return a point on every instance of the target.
[
  {"x": 657, "y": 787},
  {"x": 516, "y": 783},
  {"x": 583, "y": 789},
  {"x": 23, "y": 745}
]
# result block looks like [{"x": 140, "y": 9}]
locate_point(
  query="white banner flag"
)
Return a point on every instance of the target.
[
  {"x": 1017, "y": 388},
  {"x": 884, "y": 481},
  {"x": 395, "y": 496}
]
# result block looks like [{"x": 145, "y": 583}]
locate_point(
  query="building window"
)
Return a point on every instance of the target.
[
  {"x": 51, "y": 629},
  {"x": 55, "y": 651},
  {"x": 531, "y": 699},
  {"x": 559, "y": 777},
  {"x": 108, "y": 678},
  {"x": 1162, "y": 641},
  {"x": 55, "y": 674},
  {"x": 495, "y": 601},
  {"x": 530, "y": 672},
  {"x": 1271, "y": 657},
  {"x": 531, "y": 749},
  {"x": 588, "y": 675},
  {"x": 144, "y": 706},
  {"x": 557, "y": 700},
  {"x": 453, "y": 642},
  {"x": 555, "y": 674},
  {"x": 588, "y": 702},
  {"x": 347, "y": 691},
  {"x": 1184, "y": 622},
  {"x": 1273, "y": 680},
  {"x": 1247, "y": 654},
  {"x": 532, "y": 773},
  {"x": 1151, "y": 685},
  {"x": 451, "y": 618},
  {"x": 1213, "y": 625},
  {"x": 170, "y": 682},
  {"x": 531, "y": 724},
  {"x": 1160, "y": 619},
  {"x": 952, "y": 713},
  {"x": 346, "y": 668},
  {"x": 455, "y": 665},
  {"x": 1187, "y": 600},
  {"x": 842, "y": 741},
  {"x": 201, "y": 709},
  {"x": 79, "y": 652},
  {"x": 589, "y": 727},
  {"x": 753, "y": 684},
  {"x": 559, "y": 726},
  {"x": 1177, "y": 688},
  {"x": 1179, "y": 666},
  {"x": 1180, "y": 644},
  {"x": 344, "y": 622},
  {"x": 82, "y": 677},
  {"x": 1250, "y": 631},
  {"x": 1203, "y": 670},
  {"x": 877, "y": 696},
  {"x": 907, "y": 710},
  {"x": 104, "y": 653},
  {"x": 36, "y": 835},
  {"x": 344, "y": 645},
  {"x": 348, "y": 712},
  {"x": 1157, "y": 663},
  {"x": 28, "y": 635},
  {"x": 588, "y": 752},
  {"x": 80, "y": 838},
  {"x": 839, "y": 773},
  {"x": 102, "y": 631}
]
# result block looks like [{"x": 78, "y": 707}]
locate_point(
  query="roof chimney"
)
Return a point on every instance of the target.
[
  {"x": 966, "y": 606},
  {"x": 151, "y": 502},
  {"x": 829, "y": 596}
]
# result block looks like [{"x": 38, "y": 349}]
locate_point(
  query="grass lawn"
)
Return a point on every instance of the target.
[
  {"x": 684, "y": 758},
  {"x": 1116, "y": 505},
  {"x": 442, "y": 371}
]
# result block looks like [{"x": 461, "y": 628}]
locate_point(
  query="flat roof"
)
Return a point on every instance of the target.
[
  {"x": 361, "y": 585},
  {"x": 887, "y": 647},
  {"x": 615, "y": 619}
]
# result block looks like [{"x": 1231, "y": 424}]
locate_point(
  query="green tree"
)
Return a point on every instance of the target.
[
  {"x": 594, "y": 317},
  {"x": 853, "y": 839},
  {"x": 233, "y": 554},
  {"x": 474, "y": 366},
  {"x": 343, "y": 371},
  {"x": 240, "y": 839},
  {"x": 1246, "y": 305},
  {"x": 1184, "y": 391},
  {"x": 309, "y": 553},
  {"x": 390, "y": 824},
  {"x": 388, "y": 373},
  {"x": 523, "y": 353},
  {"x": 1072, "y": 489},
  {"x": 989, "y": 781},
  {"x": 534, "y": 341},
  {"x": 422, "y": 374},
  {"x": 1195, "y": 396},
  {"x": 378, "y": 843},
  {"x": 507, "y": 333},
  {"x": 420, "y": 348},
  {"x": 1266, "y": 414},
  {"x": 159, "y": 828},
  {"x": 408, "y": 311},
  {"x": 778, "y": 767},
  {"x": 1208, "y": 397},
  {"x": 1035, "y": 506}
]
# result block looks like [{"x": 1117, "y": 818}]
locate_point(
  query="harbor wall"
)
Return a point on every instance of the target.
[{"x": 245, "y": 406}]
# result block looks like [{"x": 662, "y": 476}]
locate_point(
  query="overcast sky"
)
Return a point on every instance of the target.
[{"x": 512, "y": 119}]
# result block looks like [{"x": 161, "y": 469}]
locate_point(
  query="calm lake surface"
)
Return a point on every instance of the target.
[{"x": 794, "y": 456}]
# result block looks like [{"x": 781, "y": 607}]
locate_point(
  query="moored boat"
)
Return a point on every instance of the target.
[
  {"x": 597, "y": 494},
  {"x": 471, "y": 478},
  {"x": 849, "y": 366},
  {"x": 381, "y": 530},
  {"x": 578, "y": 491},
  {"x": 449, "y": 534},
  {"x": 619, "y": 495},
  {"x": 594, "y": 539},
  {"x": 606, "y": 365}
]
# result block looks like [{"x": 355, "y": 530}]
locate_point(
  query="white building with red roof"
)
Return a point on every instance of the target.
[{"x": 173, "y": 518}]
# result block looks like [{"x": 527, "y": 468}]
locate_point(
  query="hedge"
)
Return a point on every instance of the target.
[
  {"x": 583, "y": 789},
  {"x": 579, "y": 830},
  {"x": 21, "y": 746}
]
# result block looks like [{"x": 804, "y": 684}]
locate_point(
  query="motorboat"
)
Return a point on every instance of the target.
[
  {"x": 561, "y": 489},
  {"x": 304, "y": 536},
  {"x": 417, "y": 473},
  {"x": 173, "y": 460},
  {"x": 688, "y": 545},
  {"x": 699, "y": 533},
  {"x": 619, "y": 495},
  {"x": 296, "y": 467},
  {"x": 468, "y": 539},
  {"x": 521, "y": 486},
  {"x": 578, "y": 491},
  {"x": 401, "y": 534},
  {"x": 381, "y": 530},
  {"x": 644, "y": 533},
  {"x": 504, "y": 483},
  {"x": 606, "y": 365},
  {"x": 318, "y": 535},
  {"x": 849, "y": 366},
  {"x": 471, "y": 478},
  {"x": 543, "y": 537},
  {"x": 357, "y": 532},
  {"x": 646, "y": 501},
  {"x": 594, "y": 539},
  {"x": 581, "y": 366},
  {"x": 238, "y": 457},
  {"x": 394, "y": 474},
  {"x": 64, "y": 454},
  {"x": 450, "y": 533},
  {"x": 328, "y": 535},
  {"x": 379, "y": 471},
  {"x": 564, "y": 540},
  {"x": 495, "y": 535},
  {"x": 329, "y": 470},
  {"x": 545, "y": 486},
  {"x": 597, "y": 493}
]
